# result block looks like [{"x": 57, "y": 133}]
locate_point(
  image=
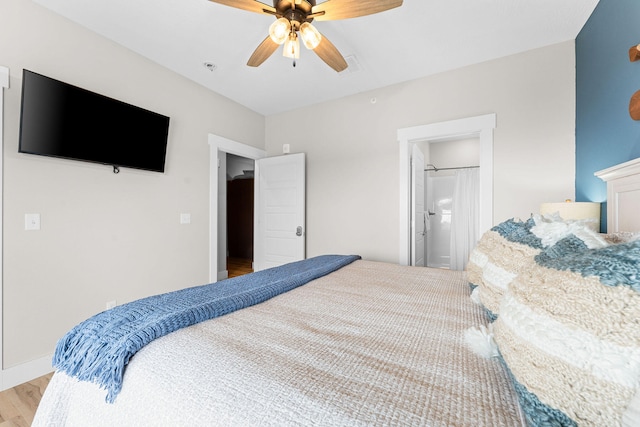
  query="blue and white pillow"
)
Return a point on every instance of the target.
[
  {"x": 569, "y": 333},
  {"x": 510, "y": 248},
  {"x": 500, "y": 255}
]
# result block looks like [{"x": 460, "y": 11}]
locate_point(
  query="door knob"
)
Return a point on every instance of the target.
[{"x": 299, "y": 231}]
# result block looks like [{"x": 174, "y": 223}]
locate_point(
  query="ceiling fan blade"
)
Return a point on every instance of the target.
[
  {"x": 250, "y": 5},
  {"x": 330, "y": 54},
  {"x": 343, "y": 9},
  {"x": 266, "y": 48}
]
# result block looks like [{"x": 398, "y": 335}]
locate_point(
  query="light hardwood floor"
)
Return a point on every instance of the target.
[
  {"x": 238, "y": 266},
  {"x": 18, "y": 405}
]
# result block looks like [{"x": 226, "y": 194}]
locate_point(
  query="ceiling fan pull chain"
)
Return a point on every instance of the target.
[{"x": 294, "y": 63}]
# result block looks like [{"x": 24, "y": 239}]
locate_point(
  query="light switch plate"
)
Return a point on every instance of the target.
[
  {"x": 185, "y": 218},
  {"x": 32, "y": 221}
]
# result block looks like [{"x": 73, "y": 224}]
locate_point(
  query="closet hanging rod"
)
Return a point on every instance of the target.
[{"x": 435, "y": 169}]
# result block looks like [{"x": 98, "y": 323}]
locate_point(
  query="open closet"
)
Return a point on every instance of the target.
[{"x": 240, "y": 211}]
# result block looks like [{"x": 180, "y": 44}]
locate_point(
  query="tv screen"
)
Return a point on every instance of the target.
[{"x": 61, "y": 120}]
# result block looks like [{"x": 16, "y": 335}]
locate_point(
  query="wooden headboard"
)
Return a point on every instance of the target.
[{"x": 623, "y": 196}]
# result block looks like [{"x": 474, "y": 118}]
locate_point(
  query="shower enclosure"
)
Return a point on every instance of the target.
[
  {"x": 452, "y": 212},
  {"x": 439, "y": 197}
]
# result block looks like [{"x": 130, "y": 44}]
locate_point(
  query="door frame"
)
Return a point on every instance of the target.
[
  {"x": 479, "y": 126},
  {"x": 4, "y": 84},
  {"x": 416, "y": 222},
  {"x": 219, "y": 144}
]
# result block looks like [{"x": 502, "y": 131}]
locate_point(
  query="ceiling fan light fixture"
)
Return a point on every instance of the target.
[
  {"x": 298, "y": 12},
  {"x": 310, "y": 36},
  {"x": 292, "y": 46},
  {"x": 279, "y": 30}
]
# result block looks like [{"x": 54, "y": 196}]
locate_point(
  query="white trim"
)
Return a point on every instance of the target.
[
  {"x": 26, "y": 372},
  {"x": 479, "y": 126},
  {"x": 623, "y": 193},
  {"x": 4, "y": 77},
  {"x": 217, "y": 144},
  {"x": 631, "y": 167},
  {"x": 4, "y": 83}
]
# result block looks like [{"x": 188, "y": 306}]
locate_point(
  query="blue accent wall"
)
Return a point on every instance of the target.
[{"x": 605, "y": 81}]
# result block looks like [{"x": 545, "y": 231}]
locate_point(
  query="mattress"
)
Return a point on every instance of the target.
[{"x": 372, "y": 344}]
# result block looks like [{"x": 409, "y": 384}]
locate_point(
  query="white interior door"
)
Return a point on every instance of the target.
[
  {"x": 417, "y": 207},
  {"x": 279, "y": 211}
]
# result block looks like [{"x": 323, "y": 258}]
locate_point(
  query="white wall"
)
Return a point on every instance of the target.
[
  {"x": 455, "y": 153},
  {"x": 104, "y": 237},
  {"x": 352, "y": 152}
]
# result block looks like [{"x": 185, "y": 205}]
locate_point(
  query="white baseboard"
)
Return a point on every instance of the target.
[
  {"x": 223, "y": 275},
  {"x": 25, "y": 372}
]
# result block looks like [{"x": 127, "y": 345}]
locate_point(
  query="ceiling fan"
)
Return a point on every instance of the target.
[{"x": 295, "y": 16}]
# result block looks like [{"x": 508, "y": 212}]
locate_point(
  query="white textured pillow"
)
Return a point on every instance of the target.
[
  {"x": 631, "y": 417},
  {"x": 622, "y": 237},
  {"x": 551, "y": 233}
]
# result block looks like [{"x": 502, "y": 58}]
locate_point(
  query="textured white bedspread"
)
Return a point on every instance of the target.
[{"x": 372, "y": 344}]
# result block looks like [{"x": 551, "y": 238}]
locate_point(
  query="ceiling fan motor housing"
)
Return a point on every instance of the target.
[
  {"x": 304, "y": 5},
  {"x": 295, "y": 13},
  {"x": 296, "y": 18}
]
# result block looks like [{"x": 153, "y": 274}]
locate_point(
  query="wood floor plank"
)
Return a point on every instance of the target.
[
  {"x": 8, "y": 410},
  {"x": 18, "y": 405},
  {"x": 26, "y": 398},
  {"x": 15, "y": 422},
  {"x": 239, "y": 266}
]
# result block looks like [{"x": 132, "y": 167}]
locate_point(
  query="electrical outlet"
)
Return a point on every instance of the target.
[{"x": 32, "y": 221}]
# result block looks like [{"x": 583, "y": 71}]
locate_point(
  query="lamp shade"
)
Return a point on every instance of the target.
[
  {"x": 292, "y": 46},
  {"x": 279, "y": 30},
  {"x": 310, "y": 36},
  {"x": 589, "y": 211}
]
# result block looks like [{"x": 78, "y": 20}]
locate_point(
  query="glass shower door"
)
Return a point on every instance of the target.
[{"x": 439, "y": 199}]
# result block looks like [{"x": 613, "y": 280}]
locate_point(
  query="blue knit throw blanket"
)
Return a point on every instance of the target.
[
  {"x": 98, "y": 349},
  {"x": 519, "y": 232}
]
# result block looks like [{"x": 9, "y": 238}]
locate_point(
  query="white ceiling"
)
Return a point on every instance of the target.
[{"x": 420, "y": 38}]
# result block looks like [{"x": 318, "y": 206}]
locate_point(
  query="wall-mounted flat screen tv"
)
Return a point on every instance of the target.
[{"x": 61, "y": 120}]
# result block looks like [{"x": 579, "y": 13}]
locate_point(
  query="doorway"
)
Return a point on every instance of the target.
[
  {"x": 480, "y": 127},
  {"x": 219, "y": 147},
  {"x": 451, "y": 215},
  {"x": 279, "y": 206},
  {"x": 239, "y": 213}
]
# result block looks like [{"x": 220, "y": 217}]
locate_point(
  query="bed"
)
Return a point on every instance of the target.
[
  {"x": 377, "y": 344},
  {"x": 355, "y": 347}
]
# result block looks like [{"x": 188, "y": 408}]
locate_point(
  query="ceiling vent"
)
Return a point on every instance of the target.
[{"x": 353, "y": 64}]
